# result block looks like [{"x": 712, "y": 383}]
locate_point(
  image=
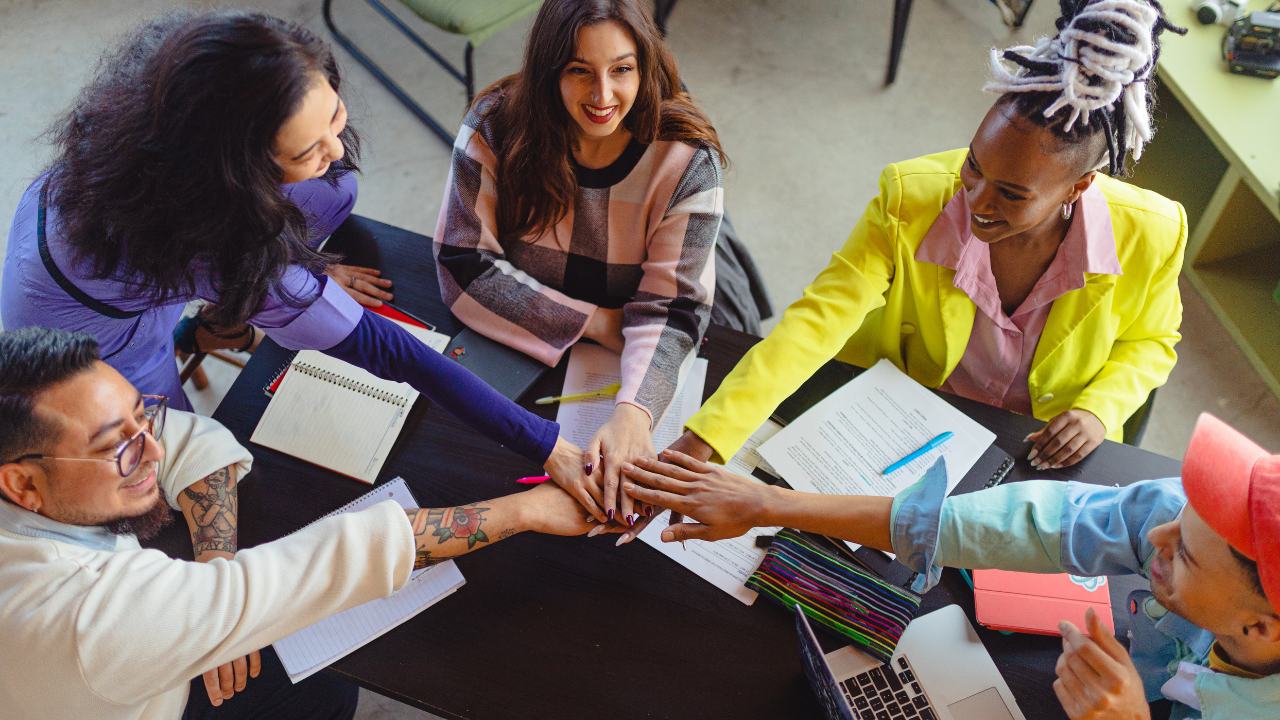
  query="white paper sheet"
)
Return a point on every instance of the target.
[
  {"x": 842, "y": 445},
  {"x": 726, "y": 563},
  {"x": 592, "y": 367},
  {"x": 432, "y": 339},
  {"x": 317, "y": 646},
  {"x": 347, "y": 423}
]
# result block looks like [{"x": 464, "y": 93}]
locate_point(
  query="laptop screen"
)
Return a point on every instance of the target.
[{"x": 820, "y": 677}]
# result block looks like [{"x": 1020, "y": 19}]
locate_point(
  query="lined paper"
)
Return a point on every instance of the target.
[{"x": 317, "y": 646}]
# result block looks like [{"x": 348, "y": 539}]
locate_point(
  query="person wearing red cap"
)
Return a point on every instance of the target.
[{"x": 1205, "y": 638}]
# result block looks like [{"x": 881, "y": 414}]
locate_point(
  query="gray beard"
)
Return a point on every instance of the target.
[{"x": 146, "y": 525}]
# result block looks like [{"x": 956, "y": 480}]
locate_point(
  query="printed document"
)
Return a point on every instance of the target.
[
  {"x": 725, "y": 563},
  {"x": 842, "y": 445}
]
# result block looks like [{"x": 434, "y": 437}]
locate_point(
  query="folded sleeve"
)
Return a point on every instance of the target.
[
  {"x": 668, "y": 316},
  {"x": 1034, "y": 526},
  {"x": 194, "y": 448},
  {"x": 477, "y": 281},
  {"x": 812, "y": 330},
  {"x": 301, "y": 309},
  {"x": 305, "y": 311}
]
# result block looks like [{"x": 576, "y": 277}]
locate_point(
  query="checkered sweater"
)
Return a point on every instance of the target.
[{"x": 640, "y": 236}]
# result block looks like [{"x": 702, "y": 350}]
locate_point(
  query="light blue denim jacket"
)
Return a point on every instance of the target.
[{"x": 1053, "y": 527}]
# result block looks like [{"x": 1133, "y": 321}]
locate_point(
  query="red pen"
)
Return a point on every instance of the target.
[{"x": 533, "y": 479}]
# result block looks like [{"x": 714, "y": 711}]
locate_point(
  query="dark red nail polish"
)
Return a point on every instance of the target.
[
  {"x": 610, "y": 513},
  {"x": 588, "y": 468}
]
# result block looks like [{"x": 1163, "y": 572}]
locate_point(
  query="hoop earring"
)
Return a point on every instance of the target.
[{"x": 1067, "y": 209}]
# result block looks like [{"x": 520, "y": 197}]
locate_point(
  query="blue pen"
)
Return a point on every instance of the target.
[{"x": 927, "y": 447}]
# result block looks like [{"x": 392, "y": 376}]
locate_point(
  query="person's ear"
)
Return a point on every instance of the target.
[
  {"x": 1263, "y": 627},
  {"x": 17, "y": 483},
  {"x": 1084, "y": 183}
]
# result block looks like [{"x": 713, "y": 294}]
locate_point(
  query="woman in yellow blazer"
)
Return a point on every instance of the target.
[{"x": 1104, "y": 345}]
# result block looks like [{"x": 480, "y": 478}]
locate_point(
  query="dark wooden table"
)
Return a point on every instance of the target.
[{"x": 551, "y": 627}]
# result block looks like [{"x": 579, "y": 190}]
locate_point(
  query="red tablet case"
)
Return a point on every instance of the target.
[{"x": 1035, "y": 603}]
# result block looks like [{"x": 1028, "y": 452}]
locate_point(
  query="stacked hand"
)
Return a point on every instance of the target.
[
  {"x": 552, "y": 511},
  {"x": 690, "y": 445},
  {"x": 726, "y": 504},
  {"x": 626, "y": 437},
  {"x": 567, "y": 469}
]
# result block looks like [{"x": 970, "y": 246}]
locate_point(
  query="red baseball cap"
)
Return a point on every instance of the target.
[{"x": 1234, "y": 484}]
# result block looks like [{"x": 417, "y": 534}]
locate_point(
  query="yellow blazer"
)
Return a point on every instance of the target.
[{"x": 1104, "y": 348}]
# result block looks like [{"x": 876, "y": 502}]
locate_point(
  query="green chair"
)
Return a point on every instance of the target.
[{"x": 477, "y": 20}]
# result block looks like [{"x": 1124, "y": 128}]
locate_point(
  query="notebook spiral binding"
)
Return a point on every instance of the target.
[
  {"x": 318, "y": 373},
  {"x": 1000, "y": 473},
  {"x": 270, "y": 388}
]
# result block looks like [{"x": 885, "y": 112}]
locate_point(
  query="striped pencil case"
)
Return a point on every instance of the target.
[{"x": 835, "y": 592}]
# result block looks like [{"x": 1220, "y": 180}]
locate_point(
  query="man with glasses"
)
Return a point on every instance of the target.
[{"x": 93, "y": 626}]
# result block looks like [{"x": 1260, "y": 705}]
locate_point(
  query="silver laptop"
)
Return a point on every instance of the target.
[{"x": 939, "y": 671}]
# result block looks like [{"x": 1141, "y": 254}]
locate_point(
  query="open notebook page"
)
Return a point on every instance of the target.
[
  {"x": 317, "y": 646},
  {"x": 335, "y": 415}
]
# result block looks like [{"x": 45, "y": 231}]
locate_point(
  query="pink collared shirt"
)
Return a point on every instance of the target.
[{"x": 997, "y": 360}]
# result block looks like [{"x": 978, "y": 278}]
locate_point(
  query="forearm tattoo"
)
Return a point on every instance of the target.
[
  {"x": 461, "y": 523},
  {"x": 212, "y": 513}
]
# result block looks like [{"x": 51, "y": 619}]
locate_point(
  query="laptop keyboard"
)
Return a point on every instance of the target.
[{"x": 888, "y": 692}]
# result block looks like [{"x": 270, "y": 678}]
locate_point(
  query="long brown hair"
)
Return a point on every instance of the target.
[{"x": 533, "y": 131}]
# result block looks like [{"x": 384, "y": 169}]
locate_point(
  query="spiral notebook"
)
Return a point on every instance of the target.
[{"x": 333, "y": 414}]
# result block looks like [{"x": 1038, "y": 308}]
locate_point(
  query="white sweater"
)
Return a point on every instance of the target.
[{"x": 93, "y": 626}]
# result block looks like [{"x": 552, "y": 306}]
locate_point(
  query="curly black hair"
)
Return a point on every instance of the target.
[{"x": 166, "y": 170}]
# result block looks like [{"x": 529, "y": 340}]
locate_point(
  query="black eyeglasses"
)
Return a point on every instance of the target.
[{"x": 128, "y": 454}]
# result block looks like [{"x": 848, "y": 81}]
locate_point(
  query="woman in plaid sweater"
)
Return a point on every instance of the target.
[{"x": 584, "y": 201}]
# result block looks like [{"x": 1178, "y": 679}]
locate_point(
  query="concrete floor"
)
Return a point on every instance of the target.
[{"x": 793, "y": 86}]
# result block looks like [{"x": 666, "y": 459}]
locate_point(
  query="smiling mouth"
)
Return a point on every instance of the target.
[
  {"x": 600, "y": 115},
  {"x": 983, "y": 223},
  {"x": 146, "y": 478}
]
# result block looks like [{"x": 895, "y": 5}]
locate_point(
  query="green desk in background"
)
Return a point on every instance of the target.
[{"x": 1217, "y": 151}]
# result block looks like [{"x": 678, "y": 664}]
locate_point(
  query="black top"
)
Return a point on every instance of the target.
[{"x": 614, "y": 172}]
